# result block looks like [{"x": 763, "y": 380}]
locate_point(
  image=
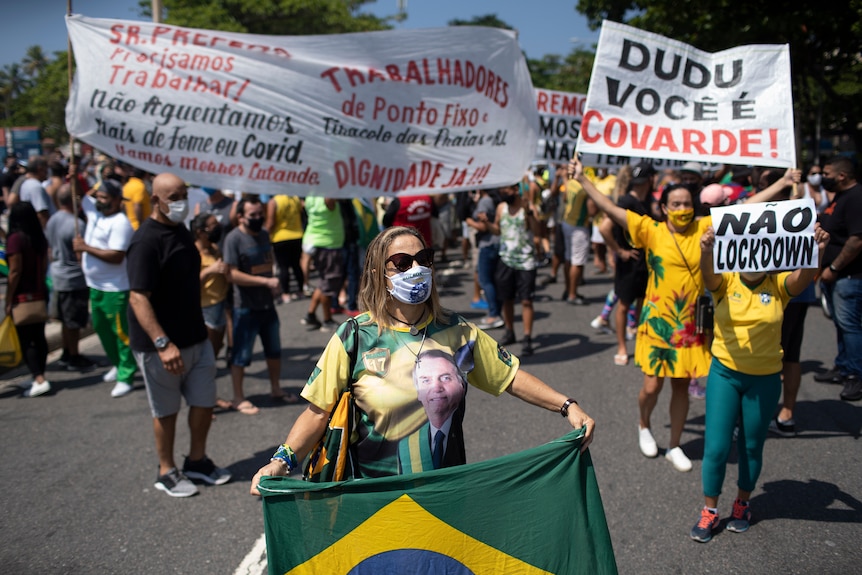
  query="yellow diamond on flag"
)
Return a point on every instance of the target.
[{"x": 405, "y": 525}]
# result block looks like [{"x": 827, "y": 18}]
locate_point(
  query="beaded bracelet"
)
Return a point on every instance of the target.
[{"x": 286, "y": 455}]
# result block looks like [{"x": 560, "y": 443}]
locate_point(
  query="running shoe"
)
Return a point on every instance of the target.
[
  {"x": 740, "y": 519},
  {"x": 702, "y": 531}
]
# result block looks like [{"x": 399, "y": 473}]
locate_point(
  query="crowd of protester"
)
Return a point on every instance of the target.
[{"x": 71, "y": 226}]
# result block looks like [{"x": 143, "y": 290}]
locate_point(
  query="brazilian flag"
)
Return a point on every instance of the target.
[{"x": 538, "y": 511}]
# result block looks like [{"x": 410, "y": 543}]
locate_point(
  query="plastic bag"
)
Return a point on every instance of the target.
[{"x": 10, "y": 347}]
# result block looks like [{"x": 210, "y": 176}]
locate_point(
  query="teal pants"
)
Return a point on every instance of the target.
[
  {"x": 111, "y": 324},
  {"x": 733, "y": 397}
]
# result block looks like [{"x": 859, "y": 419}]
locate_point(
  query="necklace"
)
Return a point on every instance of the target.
[
  {"x": 421, "y": 345},
  {"x": 414, "y": 331}
]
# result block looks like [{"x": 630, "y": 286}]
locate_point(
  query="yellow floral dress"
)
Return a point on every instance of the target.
[{"x": 668, "y": 344}]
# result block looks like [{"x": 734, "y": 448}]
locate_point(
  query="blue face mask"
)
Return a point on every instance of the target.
[{"x": 412, "y": 286}]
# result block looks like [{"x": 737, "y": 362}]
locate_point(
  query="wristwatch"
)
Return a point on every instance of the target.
[
  {"x": 833, "y": 268},
  {"x": 564, "y": 409},
  {"x": 161, "y": 342}
]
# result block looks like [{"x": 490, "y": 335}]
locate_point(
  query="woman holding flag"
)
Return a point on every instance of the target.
[{"x": 403, "y": 320}]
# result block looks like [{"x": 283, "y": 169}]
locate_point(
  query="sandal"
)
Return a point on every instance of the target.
[
  {"x": 285, "y": 398},
  {"x": 620, "y": 359},
  {"x": 245, "y": 407}
]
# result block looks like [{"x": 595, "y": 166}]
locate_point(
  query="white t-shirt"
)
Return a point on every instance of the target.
[{"x": 106, "y": 233}]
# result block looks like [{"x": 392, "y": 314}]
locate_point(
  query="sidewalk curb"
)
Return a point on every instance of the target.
[{"x": 54, "y": 335}]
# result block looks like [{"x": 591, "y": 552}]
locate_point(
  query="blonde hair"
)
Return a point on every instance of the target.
[
  {"x": 624, "y": 178},
  {"x": 373, "y": 293}
]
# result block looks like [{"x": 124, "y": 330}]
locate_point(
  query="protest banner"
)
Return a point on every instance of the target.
[
  {"x": 765, "y": 237},
  {"x": 538, "y": 511},
  {"x": 345, "y": 115},
  {"x": 656, "y": 97},
  {"x": 560, "y": 117}
]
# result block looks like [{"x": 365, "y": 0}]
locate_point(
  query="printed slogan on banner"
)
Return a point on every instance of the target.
[
  {"x": 655, "y": 97},
  {"x": 395, "y": 112},
  {"x": 765, "y": 237}
]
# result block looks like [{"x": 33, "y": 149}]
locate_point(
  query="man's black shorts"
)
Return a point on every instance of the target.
[
  {"x": 73, "y": 308},
  {"x": 512, "y": 284}
]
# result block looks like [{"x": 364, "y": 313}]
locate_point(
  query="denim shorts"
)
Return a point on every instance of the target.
[
  {"x": 214, "y": 315},
  {"x": 247, "y": 325}
]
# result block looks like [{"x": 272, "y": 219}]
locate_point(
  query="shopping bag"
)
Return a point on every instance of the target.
[{"x": 10, "y": 347}]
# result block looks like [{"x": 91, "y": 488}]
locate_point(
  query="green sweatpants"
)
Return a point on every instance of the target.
[
  {"x": 108, "y": 310},
  {"x": 733, "y": 397}
]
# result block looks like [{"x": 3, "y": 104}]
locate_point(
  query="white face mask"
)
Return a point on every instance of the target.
[
  {"x": 177, "y": 211},
  {"x": 815, "y": 179},
  {"x": 412, "y": 286}
]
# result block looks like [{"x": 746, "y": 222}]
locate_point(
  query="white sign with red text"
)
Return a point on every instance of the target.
[
  {"x": 368, "y": 114},
  {"x": 656, "y": 97}
]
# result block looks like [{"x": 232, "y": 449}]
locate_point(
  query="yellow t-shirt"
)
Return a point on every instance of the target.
[
  {"x": 288, "y": 219},
  {"x": 606, "y": 186},
  {"x": 748, "y": 323},
  {"x": 134, "y": 192},
  {"x": 214, "y": 288},
  {"x": 576, "y": 204}
]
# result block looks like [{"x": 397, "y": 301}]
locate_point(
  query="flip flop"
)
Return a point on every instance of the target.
[
  {"x": 286, "y": 398},
  {"x": 620, "y": 359},
  {"x": 223, "y": 404},
  {"x": 245, "y": 407}
]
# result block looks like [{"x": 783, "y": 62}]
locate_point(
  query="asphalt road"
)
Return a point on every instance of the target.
[{"x": 77, "y": 473}]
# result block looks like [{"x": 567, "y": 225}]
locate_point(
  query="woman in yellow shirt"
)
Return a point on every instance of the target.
[
  {"x": 215, "y": 277},
  {"x": 284, "y": 223},
  {"x": 745, "y": 376}
]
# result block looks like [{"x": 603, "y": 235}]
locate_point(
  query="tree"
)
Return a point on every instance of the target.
[
  {"x": 281, "y": 17},
  {"x": 571, "y": 74},
  {"x": 43, "y": 103},
  {"x": 488, "y": 20},
  {"x": 825, "y": 46},
  {"x": 34, "y": 62},
  {"x": 12, "y": 84}
]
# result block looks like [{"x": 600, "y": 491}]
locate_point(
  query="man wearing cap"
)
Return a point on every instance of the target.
[
  {"x": 104, "y": 247},
  {"x": 691, "y": 174}
]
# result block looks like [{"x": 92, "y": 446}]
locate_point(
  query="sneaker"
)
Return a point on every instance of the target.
[
  {"x": 176, "y": 484},
  {"x": 311, "y": 321},
  {"x": 741, "y": 517},
  {"x": 481, "y": 304},
  {"x": 37, "y": 389},
  {"x": 110, "y": 376},
  {"x": 852, "y": 388},
  {"x": 783, "y": 428},
  {"x": 527, "y": 346},
  {"x": 63, "y": 362},
  {"x": 702, "y": 531},
  {"x": 337, "y": 310},
  {"x": 679, "y": 459},
  {"x": 508, "y": 338},
  {"x": 80, "y": 363},
  {"x": 577, "y": 300},
  {"x": 695, "y": 390},
  {"x": 601, "y": 324},
  {"x": 831, "y": 376},
  {"x": 206, "y": 470},
  {"x": 329, "y": 326},
  {"x": 121, "y": 388},
  {"x": 491, "y": 323},
  {"x": 647, "y": 442}
]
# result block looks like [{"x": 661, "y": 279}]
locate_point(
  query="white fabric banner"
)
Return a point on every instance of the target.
[
  {"x": 655, "y": 97},
  {"x": 370, "y": 114},
  {"x": 765, "y": 237}
]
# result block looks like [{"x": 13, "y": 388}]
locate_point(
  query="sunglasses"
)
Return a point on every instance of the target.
[{"x": 404, "y": 262}]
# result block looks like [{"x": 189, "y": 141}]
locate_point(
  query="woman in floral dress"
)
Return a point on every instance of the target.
[{"x": 668, "y": 344}]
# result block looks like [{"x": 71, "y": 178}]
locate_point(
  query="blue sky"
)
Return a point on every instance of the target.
[{"x": 544, "y": 26}]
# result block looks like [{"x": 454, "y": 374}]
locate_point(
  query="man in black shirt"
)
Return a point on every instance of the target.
[
  {"x": 842, "y": 273},
  {"x": 168, "y": 336}
]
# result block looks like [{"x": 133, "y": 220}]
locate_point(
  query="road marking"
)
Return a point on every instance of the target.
[{"x": 255, "y": 562}]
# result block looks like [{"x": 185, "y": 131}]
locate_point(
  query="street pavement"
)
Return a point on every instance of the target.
[{"x": 77, "y": 473}]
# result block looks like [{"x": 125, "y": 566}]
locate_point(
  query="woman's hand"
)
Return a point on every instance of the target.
[
  {"x": 273, "y": 468},
  {"x": 707, "y": 240},
  {"x": 578, "y": 418},
  {"x": 575, "y": 168}
]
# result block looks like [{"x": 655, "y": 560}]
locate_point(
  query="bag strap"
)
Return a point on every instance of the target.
[
  {"x": 682, "y": 255},
  {"x": 351, "y": 412}
]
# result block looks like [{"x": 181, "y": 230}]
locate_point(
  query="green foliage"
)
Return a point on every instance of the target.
[
  {"x": 43, "y": 103},
  {"x": 571, "y": 74},
  {"x": 281, "y": 17},
  {"x": 489, "y": 20},
  {"x": 825, "y": 46}
]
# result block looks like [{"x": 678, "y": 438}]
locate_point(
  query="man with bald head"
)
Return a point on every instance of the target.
[{"x": 169, "y": 338}]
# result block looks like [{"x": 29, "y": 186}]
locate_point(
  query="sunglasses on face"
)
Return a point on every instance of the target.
[{"x": 404, "y": 262}]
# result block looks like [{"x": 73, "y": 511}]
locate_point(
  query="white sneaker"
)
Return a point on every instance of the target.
[
  {"x": 122, "y": 388},
  {"x": 647, "y": 442},
  {"x": 678, "y": 458},
  {"x": 111, "y": 375},
  {"x": 38, "y": 389},
  {"x": 25, "y": 384}
]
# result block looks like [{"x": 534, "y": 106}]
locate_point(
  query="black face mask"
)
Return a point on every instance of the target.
[
  {"x": 828, "y": 184},
  {"x": 509, "y": 199},
  {"x": 214, "y": 235},
  {"x": 103, "y": 207},
  {"x": 254, "y": 224}
]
